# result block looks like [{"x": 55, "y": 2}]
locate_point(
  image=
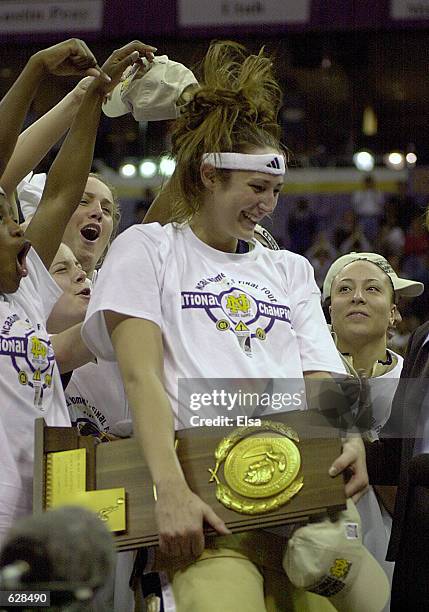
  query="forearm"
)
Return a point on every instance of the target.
[
  {"x": 161, "y": 208},
  {"x": 180, "y": 513},
  {"x": 66, "y": 179},
  {"x": 70, "y": 351},
  {"x": 153, "y": 424},
  {"x": 37, "y": 140},
  {"x": 142, "y": 373},
  {"x": 75, "y": 157},
  {"x": 14, "y": 107},
  {"x": 69, "y": 172}
]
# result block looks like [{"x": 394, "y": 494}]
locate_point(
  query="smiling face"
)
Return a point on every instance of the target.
[
  {"x": 91, "y": 225},
  {"x": 362, "y": 306},
  {"x": 71, "y": 306},
  {"x": 234, "y": 206},
  {"x": 13, "y": 250}
]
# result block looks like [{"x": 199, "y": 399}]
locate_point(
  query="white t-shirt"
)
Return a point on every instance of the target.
[
  {"x": 252, "y": 315},
  {"x": 10, "y": 485},
  {"x": 376, "y": 521},
  {"x": 29, "y": 192},
  {"x": 30, "y": 384},
  {"x": 96, "y": 398},
  {"x": 383, "y": 389}
]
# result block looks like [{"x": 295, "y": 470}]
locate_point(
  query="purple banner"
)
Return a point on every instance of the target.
[{"x": 40, "y": 22}]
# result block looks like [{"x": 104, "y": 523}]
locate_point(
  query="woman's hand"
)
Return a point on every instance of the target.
[
  {"x": 68, "y": 58},
  {"x": 119, "y": 60},
  {"x": 180, "y": 515},
  {"x": 352, "y": 462}
]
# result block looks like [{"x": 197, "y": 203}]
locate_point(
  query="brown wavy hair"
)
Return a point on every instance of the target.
[{"x": 234, "y": 110}]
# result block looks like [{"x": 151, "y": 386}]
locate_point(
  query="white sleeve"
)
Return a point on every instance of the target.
[
  {"x": 316, "y": 346},
  {"x": 129, "y": 283},
  {"x": 29, "y": 192},
  {"x": 39, "y": 286},
  {"x": 10, "y": 485}
]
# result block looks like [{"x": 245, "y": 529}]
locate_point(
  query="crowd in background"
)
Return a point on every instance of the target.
[
  {"x": 82, "y": 209},
  {"x": 395, "y": 228}
]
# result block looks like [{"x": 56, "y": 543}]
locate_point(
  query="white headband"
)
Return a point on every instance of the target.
[{"x": 271, "y": 163}]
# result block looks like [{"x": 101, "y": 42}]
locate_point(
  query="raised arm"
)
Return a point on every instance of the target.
[
  {"x": 67, "y": 58},
  {"x": 160, "y": 209},
  {"x": 179, "y": 512},
  {"x": 68, "y": 174},
  {"x": 38, "y": 139}
]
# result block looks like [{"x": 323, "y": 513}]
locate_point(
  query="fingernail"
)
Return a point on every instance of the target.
[{"x": 333, "y": 471}]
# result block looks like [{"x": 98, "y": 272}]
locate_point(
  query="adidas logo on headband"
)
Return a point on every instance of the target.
[
  {"x": 274, "y": 163},
  {"x": 245, "y": 161}
]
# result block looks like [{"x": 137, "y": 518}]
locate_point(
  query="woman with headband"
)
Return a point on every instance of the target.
[{"x": 200, "y": 298}]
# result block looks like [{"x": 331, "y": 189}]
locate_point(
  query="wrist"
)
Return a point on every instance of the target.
[
  {"x": 166, "y": 485},
  {"x": 37, "y": 65},
  {"x": 353, "y": 442},
  {"x": 98, "y": 87}
]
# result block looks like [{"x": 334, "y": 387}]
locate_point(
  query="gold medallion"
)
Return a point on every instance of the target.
[{"x": 260, "y": 471}]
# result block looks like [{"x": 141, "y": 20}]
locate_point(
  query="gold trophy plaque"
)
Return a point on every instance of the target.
[
  {"x": 260, "y": 472},
  {"x": 256, "y": 476}
]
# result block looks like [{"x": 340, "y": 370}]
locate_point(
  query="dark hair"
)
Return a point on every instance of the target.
[{"x": 234, "y": 110}]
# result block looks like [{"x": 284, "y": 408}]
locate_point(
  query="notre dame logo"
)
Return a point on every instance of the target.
[
  {"x": 340, "y": 569},
  {"x": 38, "y": 349},
  {"x": 238, "y": 304}
]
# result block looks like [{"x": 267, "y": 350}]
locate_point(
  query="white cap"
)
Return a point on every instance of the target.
[
  {"x": 328, "y": 558},
  {"x": 403, "y": 286},
  {"x": 150, "y": 92}
]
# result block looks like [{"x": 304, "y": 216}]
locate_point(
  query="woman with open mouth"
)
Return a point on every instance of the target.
[
  {"x": 95, "y": 221},
  {"x": 30, "y": 384}
]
